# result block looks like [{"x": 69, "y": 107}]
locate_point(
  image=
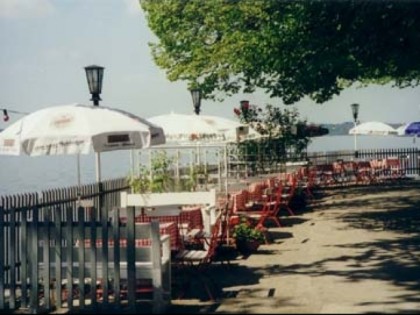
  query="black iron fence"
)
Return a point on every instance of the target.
[{"x": 409, "y": 159}]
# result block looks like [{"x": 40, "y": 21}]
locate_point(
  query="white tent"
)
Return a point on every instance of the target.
[{"x": 373, "y": 128}]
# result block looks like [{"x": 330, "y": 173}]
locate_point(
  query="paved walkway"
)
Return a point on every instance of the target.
[{"x": 354, "y": 250}]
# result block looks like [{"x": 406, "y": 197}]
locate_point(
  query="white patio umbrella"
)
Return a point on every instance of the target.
[
  {"x": 373, "y": 128},
  {"x": 186, "y": 130},
  {"x": 401, "y": 130},
  {"x": 78, "y": 129},
  {"x": 410, "y": 129}
]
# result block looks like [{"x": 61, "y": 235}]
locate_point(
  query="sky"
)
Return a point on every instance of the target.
[{"x": 45, "y": 45}]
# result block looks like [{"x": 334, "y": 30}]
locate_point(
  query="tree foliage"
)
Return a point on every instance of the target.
[
  {"x": 290, "y": 49},
  {"x": 283, "y": 130}
]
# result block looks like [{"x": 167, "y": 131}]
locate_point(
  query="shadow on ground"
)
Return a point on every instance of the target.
[
  {"x": 220, "y": 278},
  {"x": 394, "y": 207}
]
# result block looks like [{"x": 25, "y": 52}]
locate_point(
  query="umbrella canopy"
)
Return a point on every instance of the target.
[
  {"x": 411, "y": 129},
  {"x": 373, "y": 128},
  {"x": 184, "y": 129},
  {"x": 401, "y": 130},
  {"x": 78, "y": 129}
]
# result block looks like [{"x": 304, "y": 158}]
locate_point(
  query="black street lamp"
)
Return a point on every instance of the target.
[
  {"x": 244, "y": 105},
  {"x": 355, "y": 111},
  {"x": 94, "y": 76},
  {"x": 196, "y": 97}
]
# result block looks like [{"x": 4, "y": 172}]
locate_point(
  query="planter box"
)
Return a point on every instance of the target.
[{"x": 170, "y": 203}]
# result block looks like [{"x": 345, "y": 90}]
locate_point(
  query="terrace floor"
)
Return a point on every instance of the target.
[{"x": 352, "y": 250}]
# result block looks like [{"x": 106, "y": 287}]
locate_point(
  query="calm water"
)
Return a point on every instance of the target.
[{"x": 28, "y": 174}]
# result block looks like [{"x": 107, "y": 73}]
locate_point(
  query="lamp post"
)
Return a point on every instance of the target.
[
  {"x": 244, "y": 106},
  {"x": 355, "y": 111},
  {"x": 6, "y": 112},
  {"x": 94, "y": 76},
  {"x": 196, "y": 97}
]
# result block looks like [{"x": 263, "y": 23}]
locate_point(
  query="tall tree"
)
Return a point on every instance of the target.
[{"x": 290, "y": 49}]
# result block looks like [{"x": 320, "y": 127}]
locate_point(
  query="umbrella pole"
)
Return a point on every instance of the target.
[
  {"x": 226, "y": 170},
  {"x": 191, "y": 161},
  {"x": 138, "y": 162},
  {"x": 78, "y": 171},
  {"x": 132, "y": 161},
  {"x": 205, "y": 161},
  {"x": 227, "y": 214},
  {"x": 79, "y": 193},
  {"x": 98, "y": 167},
  {"x": 177, "y": 170},
  {"x": 219, "y": 169},
  {"x": 150, "y": 164}
]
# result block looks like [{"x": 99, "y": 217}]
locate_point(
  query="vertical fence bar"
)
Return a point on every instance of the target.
[
  {"x": 34, "y": 258},
  {"x": 8, "y": 202},
  {"x": 131, "y": 256},
  {"x": 93, "y": 258},
  {"x": 69, "y": 252},
  {"x": 157, "y": 267},
  {"x": 58, "y": 219},
  {"x": 46, "y": 258},
  {"x": 12, "y": 297},
  {"x": 24, "y": 257},
  {"x": 2, "y": 261},
  {"x": 104, "y": 251},
  {"x": 116, "y": 235},
  {"x": 81, "y": 234}
]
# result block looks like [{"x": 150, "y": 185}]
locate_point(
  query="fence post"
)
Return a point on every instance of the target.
[
  {"x": 12, "y": 269},
  {"x": 81, "y": 254},
  {"x": 104, "y": 251},
  {"x": 157, "y": 267},
  {"x": 69, "y": 250},
  {"x": 131, "y": 256},
  {"x": 33, "y": 262},
  {"x": 117, "y": 258},
  {"x": 58, "y": 258},
  {"x": 24, "y": 257},
  {"x": 93, "y": 256},
  {"x": 2, "y": 240},
  {"x": 46, "y": 258}
]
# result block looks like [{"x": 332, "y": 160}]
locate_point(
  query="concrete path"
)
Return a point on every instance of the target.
[{"x": 354, "y": 250}]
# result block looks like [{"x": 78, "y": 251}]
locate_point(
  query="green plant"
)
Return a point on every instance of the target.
[
  {"x": 244, "y": 231},
  {"x": 140, "y": 183},
  {"x": 161, "y": 175},
  {"x": 158, "y": 178}
]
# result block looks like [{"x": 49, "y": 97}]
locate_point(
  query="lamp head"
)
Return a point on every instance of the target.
[
  {"x": 355, "y": 110},
  {"x": 196, "y": 97},
  {"x": 94, "y": 76}
]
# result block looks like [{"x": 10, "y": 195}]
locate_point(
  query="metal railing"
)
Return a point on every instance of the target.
[{"x": 409, "y": 158}]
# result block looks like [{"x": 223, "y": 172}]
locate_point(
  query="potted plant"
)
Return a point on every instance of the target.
[{"x": 247, "y": 237}]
